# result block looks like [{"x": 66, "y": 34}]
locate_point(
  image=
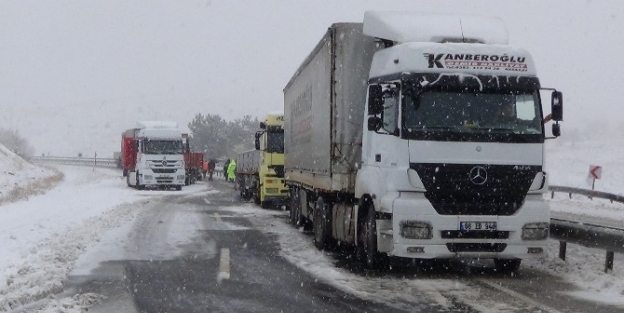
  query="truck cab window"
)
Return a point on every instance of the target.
[
  {"x": 389, "y": 115},
  {"x": 275, "y": 142}
]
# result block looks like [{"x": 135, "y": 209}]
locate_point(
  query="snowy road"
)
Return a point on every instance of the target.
[{"x": 201, "y": 250}]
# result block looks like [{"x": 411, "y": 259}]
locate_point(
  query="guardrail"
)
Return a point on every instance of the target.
[
  {"x": 586, "y": 192},
  {"x": 592, "y": 235},
  {"x": 97, "y": 162}
]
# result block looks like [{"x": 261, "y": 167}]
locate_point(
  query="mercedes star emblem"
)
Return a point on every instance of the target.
[
  {"x": 478, "y": 175},
  {"x": 164, "y": 162}
]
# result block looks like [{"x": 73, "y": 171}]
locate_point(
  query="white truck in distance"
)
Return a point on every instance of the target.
[
  {"x": 420, "y": 136},
  {"x": 153, "y": 155}
]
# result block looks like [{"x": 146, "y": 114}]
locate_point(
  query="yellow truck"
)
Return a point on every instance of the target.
[{"x": 260, "y": 172}]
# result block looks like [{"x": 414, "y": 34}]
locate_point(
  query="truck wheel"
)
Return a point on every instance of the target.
[
  {"x": 322, "y": 224},
  {"x": 507, "y": 266},
  {"x": 265, "y": 204},
  {"x": 125, "y": 173},
  {"x": 367, "y": 239},
  {"x": 138, "y": 186},
  {"x": 178, "y": 187},
  {"x": 257, "y": 196}
]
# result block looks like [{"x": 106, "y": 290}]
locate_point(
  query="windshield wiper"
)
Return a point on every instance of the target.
[{"x": 496, "y": 129}]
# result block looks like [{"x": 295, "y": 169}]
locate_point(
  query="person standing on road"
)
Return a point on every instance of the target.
[
  {"x": 205, "y": 168},
  {"x": 211, "y": 167},
  {"x": 231, "y": 171},
  {"x": 225, "y": 168}
]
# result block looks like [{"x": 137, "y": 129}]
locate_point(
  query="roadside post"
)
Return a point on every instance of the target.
[{"x": 595, "y": 172}]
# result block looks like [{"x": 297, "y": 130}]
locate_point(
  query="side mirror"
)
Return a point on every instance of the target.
[
  {"x": 257, "y": 140},
  {"x": 262, "y": 125},
  {"x": 557, "y": 106},
  {"x": 556, "y": 130},
  {"x": 375, "y": 100},
  {"x": 374, "y": 123}
]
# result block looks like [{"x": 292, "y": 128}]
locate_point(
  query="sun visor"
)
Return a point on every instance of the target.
[{"x": 405, "y": 27}]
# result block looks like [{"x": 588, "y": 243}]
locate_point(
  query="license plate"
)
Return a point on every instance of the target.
[{"x": 466, "y": 226}]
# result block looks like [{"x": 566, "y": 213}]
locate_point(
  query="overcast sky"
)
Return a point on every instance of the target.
[{"x": 75, "y": 74}]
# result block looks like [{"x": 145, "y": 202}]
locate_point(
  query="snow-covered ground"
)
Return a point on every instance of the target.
[
  {"x": 20, "y": 179},
  {"x": 44, "y": 236}
]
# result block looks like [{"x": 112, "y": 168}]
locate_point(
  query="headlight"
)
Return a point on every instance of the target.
[
  {"x": 180, "y": 177},
  {"x": 148, "y": 177},
  {"x": 535, "y": 231},
  {"x": 415, "y": 230}
]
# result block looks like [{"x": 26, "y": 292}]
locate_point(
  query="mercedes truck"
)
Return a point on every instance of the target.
[
  {"x": 397, "y": 140},
  {"x": 153, "y": 155}
]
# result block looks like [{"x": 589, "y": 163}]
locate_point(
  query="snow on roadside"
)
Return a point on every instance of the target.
[
  {"x": 20, "y": 179},
  {"x": 42, "y": 237}
]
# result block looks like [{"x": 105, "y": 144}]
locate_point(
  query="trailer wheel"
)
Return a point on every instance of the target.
[
  {"x": 507, "y": 266},
  {"x": 367, "y": 240},
  {"x": 322, "y": 224}
]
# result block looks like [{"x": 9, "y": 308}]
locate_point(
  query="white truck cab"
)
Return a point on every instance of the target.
[{"x": 160, "y": 156}]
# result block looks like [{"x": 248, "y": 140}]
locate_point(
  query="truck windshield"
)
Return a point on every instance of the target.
[
  {"x": 275, "y": 142},
  {"x": 163, "y": 147},
  {"x": 462, "y": 116}
]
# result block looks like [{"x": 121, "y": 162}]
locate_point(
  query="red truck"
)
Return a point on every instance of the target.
[
  {"x": 128, "y": 150},
  {"x": 193, "y": 162}
]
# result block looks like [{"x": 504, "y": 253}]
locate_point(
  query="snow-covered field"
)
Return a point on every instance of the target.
[{"x": 44, "y": 235}]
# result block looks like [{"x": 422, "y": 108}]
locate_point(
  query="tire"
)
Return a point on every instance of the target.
[
  {"x": 367, "y": 238},
  {"x": 256, "y": 196},
  {"x": 265, "y": 204},
  {"x": 322, "y": 224},
  {"x": 506, "y": 266},
  {"x": 137, "y": 186},
  {"x": 178, "y": 187},
  {"x": 125, "y": 173}
]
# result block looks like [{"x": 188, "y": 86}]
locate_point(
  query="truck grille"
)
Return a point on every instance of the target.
[
  {"x": 456, "y": 234},
  {"x": 451, "y": 191},
  {"x": 164, "y": 170},
  {"x": 476, "y": 247}
]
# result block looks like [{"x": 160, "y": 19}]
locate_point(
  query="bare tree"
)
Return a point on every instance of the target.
[{"x": 16, "y": 143}]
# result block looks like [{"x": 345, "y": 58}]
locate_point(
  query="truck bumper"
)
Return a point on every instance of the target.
[
  {"x": 274, "y": 190},
  {"x": 444, "y": 241},
  {"x": 153, "y": 179}
]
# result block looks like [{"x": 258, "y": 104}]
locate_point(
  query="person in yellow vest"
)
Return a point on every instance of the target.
[{"x": 231, "y": 171}]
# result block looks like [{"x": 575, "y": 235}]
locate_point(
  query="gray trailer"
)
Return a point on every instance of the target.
[{"x": 323, "y": 109}]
